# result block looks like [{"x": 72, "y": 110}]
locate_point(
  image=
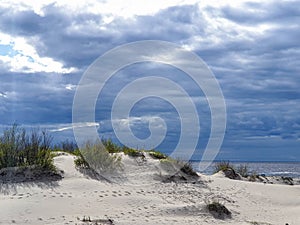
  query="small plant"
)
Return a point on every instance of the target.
[
  {"x": 218, "y": 210},
  {"x": 188, "y": 169},
  {"x": 253, "y": 176},
  {"x": 223, "y": 166},
  {"x": 80, "y": 161},
  {"x": 157, "y": 155},
  {"x": 132, "y": 152},
  {"x": 227, "y": 169},
  {"x": 178, "y": 167},
  {"x": 110, "y": 146},
  {"x": 243, "y": 170}
]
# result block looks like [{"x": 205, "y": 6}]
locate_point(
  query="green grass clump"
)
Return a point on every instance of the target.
[
  {"x": 132, "y": 152},
  {"x": 80, "y": 162},
  {"x": 168, "y": 161},
  {"x": 157, "y": 155},
  {"x": 110, "y": 146}
]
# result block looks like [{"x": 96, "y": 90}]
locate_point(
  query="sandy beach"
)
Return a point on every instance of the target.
[{"x": 140, "y": 197}]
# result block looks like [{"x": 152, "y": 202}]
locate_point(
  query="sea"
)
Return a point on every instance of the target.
[{"x": 286, "y": 169}]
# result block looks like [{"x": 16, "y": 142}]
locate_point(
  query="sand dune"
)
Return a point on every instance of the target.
[{"x": 138, "y": 196}]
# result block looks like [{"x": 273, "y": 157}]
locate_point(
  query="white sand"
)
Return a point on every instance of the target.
[{"x": 139, "y": 198}]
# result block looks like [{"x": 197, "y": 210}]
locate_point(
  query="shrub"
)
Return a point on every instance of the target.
[
  {"x": 44, "y": 159},
  {"x": 18, "y": 148},
  {"x": 96, "y": 156}
]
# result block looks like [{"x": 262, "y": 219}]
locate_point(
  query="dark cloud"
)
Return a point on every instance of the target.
[{"x": 36, "y": 98}]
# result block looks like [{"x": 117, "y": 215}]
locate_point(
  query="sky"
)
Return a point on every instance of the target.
[{"x": 252, "y": 48}]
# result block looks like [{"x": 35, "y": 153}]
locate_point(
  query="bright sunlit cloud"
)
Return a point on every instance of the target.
[{"x": 24, "y": 58}]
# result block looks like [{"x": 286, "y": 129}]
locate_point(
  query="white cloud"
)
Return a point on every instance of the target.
[
  {"x": 26, "y": 59},
  {"x": 3, "y": 95},
  {"x": 134, "y": 121},
  {"x": 74, "y": 125},
  {"x": 70, "y": 87}
]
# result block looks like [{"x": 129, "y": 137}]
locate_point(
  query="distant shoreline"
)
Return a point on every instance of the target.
[
  {"x": 243, "y": 161},
  {"x": 276, "y": 169}
]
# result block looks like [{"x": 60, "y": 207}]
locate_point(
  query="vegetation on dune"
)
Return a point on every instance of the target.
[
  {"x": 19, "y": 148},
  {"x": 223, "y": 166},
  {"x": 178, "y": 167},
  {"x": 95, "y": 156},
  {"x": 157, "y": 155},
  {"x": 188, "y": 169},
  {"x": 233, "y": 172},
  {"x": 243, "y": 170},
  {"x": 110, "y": 146},
  {"x": 132, "y": 152}
]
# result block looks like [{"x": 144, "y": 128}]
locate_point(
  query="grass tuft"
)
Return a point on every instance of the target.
[
  {"x": 222, "y": 166},
  {"x": 132, "y": 152},
  {"x": 95, "y": 156}
]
